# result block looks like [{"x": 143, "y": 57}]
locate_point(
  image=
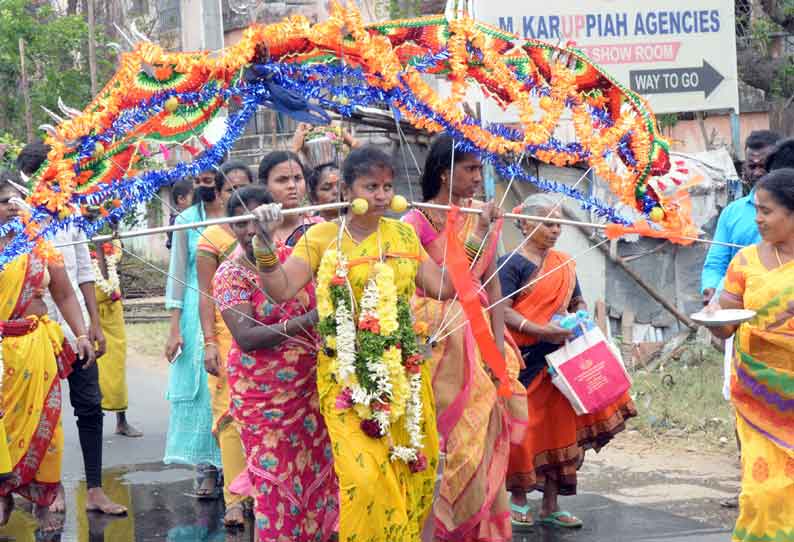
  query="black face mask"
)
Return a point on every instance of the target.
[{"x": 207, "y": 194}]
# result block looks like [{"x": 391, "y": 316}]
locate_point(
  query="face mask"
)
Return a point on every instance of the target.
[{"x": 207, "y": 193}]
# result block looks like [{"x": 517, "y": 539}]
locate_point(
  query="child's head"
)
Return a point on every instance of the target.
[{"x": 182, "y": 194}]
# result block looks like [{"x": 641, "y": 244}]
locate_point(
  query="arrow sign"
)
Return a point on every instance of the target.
[{"x": 676, "y": 80}]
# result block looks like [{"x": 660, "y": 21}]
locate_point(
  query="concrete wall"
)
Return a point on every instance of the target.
[{"x": 686, "y": 135}]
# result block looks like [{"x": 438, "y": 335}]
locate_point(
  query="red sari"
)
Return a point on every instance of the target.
[{"x": 556, "y": 437}]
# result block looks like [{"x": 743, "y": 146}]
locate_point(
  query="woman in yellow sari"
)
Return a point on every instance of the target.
[
  {"x": 214, "y": 246},
  {"x": 34, "y": 356},
  {"x": 113, "y": 364},
  {"x": 375, "y": 393},
  {"x": 761, "y": 278},
  {"x": 476, "y": 426}
]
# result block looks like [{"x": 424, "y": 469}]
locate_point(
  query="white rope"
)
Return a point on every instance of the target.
[
  {"x": 527, "y": 285},
  {"x": 274, "y": 327},
  {"x": 485, "y": 283}
]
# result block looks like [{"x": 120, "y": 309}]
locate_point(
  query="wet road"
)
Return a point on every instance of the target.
[{"x": 161, "y": 510}]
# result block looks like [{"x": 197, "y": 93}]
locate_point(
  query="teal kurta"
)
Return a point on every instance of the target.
[{"x": 190, "y": 440}]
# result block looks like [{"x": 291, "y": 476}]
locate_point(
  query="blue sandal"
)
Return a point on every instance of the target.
[
  {"x": 554, "y": 520},
  {"x": 523, "y": 510}
]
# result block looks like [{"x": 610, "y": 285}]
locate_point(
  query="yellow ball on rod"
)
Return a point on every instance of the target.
[
  {"x": 398, "y": 204},
  {"x": 359, "y": 206}
]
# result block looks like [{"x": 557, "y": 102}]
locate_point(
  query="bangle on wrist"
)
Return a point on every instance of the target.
[
  {"x": 521, "y": 327},
  {"x": 210, "y": 343},
  {"x": 285, "y": 327},
  {"x": 83, "y": 336}
]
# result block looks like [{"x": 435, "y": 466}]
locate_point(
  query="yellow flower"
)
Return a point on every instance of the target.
[
  {"x": 330, "y": 342},
  {"x": 392, "y": 358}
]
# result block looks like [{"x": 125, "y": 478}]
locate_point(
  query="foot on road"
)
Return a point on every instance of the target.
[
  {"x": 732, "y": 503},
  {"x": 126, "y": 430},
  {"x": 561, "y": 519},
  {"x": 519, "y": 514},
  {"x": 6, "y": 507},
  {"x": 49, "y": 521},
  {"x": 98, "y": 501},
  {"x": 58, "y": 506},
  {"x": 234, "y": 517}
]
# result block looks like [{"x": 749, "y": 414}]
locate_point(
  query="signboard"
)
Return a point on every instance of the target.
[{"x": 679, "y": 54}]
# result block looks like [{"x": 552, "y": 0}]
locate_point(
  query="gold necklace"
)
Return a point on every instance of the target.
[{"x": 777, "y": 254}]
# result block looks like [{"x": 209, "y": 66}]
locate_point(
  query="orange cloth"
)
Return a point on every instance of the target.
[{"x": 556, "y": 438}]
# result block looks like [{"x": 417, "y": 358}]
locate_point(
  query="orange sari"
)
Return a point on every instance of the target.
[{"x": 556, "y": 438}]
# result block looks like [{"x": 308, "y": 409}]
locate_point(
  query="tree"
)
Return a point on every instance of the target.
[
  {"x": 781, "y": 12},
  {"x": 57, "y": 63},
  {"x": 763, "y": 61}
]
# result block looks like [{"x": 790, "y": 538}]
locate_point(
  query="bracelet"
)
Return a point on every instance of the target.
[
  {"x": 266, "y": 261},
  {"x": 210, "y": 343},
  {"x": 81, "y": 337},
  {"x": 284, "y": 323},
  {"x": 521, "y": 327}
]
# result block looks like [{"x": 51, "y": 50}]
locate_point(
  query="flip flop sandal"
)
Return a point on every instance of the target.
[
  {"x": 554, "y": 520},
  {"x": 523, "y": 510}
]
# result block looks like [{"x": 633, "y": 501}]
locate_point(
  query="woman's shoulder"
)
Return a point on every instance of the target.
[
  {"x": 399, "y": 227},
  {"x": 746, "y": 256},
  {"x": 191, "y": 214}
]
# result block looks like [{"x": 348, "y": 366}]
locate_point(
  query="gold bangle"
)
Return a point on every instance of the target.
[
  {"x": 521, "y": 327},
  {"x": 284, "y": 323},
  {"x": 81, "y": 337},
  {"x": 210, "y": 343}
]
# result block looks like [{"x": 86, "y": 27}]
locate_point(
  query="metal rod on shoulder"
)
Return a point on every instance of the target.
[
  {"x": 202, "y": 224},
  {"x": 561, "y": 221}
]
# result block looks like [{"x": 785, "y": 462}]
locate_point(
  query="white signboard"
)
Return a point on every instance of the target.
[{"x": 680, "y": 54}]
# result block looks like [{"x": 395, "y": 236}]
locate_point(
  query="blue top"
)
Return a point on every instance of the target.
[{"x": 735, "y": 225}]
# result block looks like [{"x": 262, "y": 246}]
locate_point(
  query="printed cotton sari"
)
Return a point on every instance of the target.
[
  {"x": 380, "y": 500},
  {"x": 275, "y": 403},
  {"x": 113, "y": 365},
  {"x": 35, "y": 355},
  {"x": 217, "y": 243},
  {"x": 762, "y": 390},
  {"x": 475, "y": 425},
  {"x": 556, "y": 437}
]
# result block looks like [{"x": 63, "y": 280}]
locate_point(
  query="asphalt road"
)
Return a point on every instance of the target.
[{"x": 161, "y": 510}]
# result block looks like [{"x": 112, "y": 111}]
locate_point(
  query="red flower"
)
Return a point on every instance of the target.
[
  {"x": 369, "y": 323},
  {"x": 338, "y": 281},
  {"x": 419, "y": 465},
  {"x": 381, "y": 406},
  {"x": 371, "y": 428},
  {"x": 115, "y": 296}
]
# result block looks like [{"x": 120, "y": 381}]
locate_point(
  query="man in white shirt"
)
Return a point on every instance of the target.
[{"x": 84, "y": 392}]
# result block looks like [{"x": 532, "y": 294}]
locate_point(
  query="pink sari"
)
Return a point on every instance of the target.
[
  {"x": 274, "y": 401},
  {"x": 476, "y": 426}
]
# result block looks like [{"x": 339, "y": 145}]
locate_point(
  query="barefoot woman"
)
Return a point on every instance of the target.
[{"x": 35, "y": 357}]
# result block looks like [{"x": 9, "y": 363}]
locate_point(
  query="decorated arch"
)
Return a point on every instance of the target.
[{"x": 157, "y": 99}]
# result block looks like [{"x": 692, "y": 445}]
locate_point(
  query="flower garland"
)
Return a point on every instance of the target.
[
  {"x": 111, "y": 286},
  {"x": 375, "y": 357},
  {"x": 158, "y": 97}
]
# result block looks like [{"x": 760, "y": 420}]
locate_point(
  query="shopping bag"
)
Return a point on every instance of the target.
[{"x": 589, "y": 372}]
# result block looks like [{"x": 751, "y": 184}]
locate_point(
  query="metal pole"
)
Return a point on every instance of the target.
[
  {"x": 561, "y": 221},
  {"x": 202, "y": 224},
  {"x": 342, "y": 205}
]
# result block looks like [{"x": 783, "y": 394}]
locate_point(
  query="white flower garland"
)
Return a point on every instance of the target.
[
  {"x": 112, "y": 284},
  {"x": 393, "y": 383}
]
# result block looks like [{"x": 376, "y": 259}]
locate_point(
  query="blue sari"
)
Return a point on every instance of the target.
[{"x": 190, "y": 440}]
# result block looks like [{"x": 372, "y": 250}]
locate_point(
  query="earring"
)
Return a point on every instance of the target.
[{"x": 398, "y": 204}]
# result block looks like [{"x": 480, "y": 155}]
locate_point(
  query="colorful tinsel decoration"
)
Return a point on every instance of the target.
[{"x": 159, "y": 99}]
